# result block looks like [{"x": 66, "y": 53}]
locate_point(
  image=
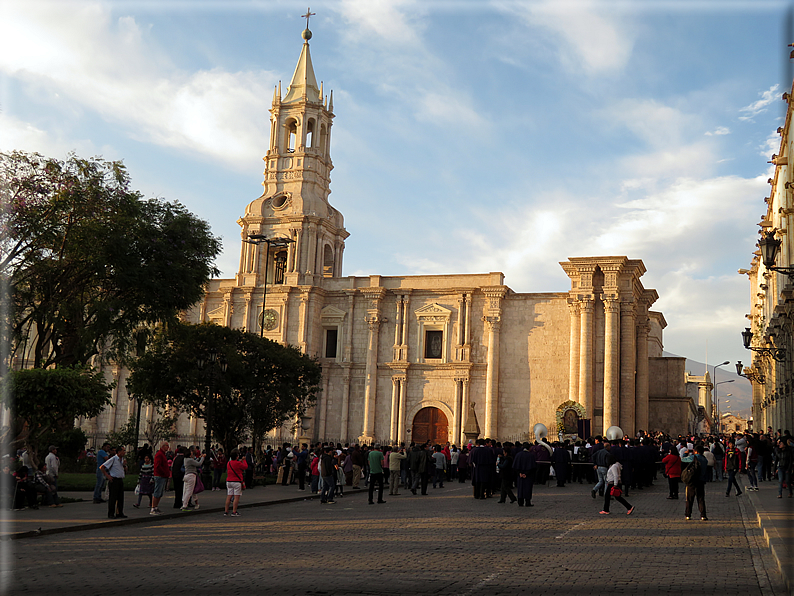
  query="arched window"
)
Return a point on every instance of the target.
[
  {"x": 328, "y": 261},
  {"x": 280, "y": 267},
  {"x": 310, "y": 134},
  {"x": 323, "y": 138},
  {"x": 291, "y": 132}
]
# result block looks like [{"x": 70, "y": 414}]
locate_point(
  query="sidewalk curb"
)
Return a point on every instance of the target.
[
  {"x": 153, "y": 518},
  {"x": 773, "y": 539}
]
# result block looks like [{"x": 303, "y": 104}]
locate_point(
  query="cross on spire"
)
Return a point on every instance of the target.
[{"x": 306, "y": 16}]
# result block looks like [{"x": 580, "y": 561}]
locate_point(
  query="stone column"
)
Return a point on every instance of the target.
[
  {"x": 371, "y": 384},
  {"x": 641, "y": 390},
  {"x": 611, "y": 363},
  {"x": 573, "y": 365},
  {"x": 586, "y": 356},
  {"x": 345, "y": 402},
  {"x": 493, "y": 324},
  {"x": 395, "y": 409},
  {"x": 456, "y": 411},
  {"x": 303, "y": 322},
  {"x": 464, "y": 408},
  {"x": 311, "y": 245},
  {"x": 628, "y": 357},
  {"x": 323, "y": 409},
  {"x": 401, "y": 409}
]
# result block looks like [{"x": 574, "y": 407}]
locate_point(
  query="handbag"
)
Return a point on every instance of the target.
[
  {"x": 199, "y": 487},
  {"x": 138, "y": 488},
  {"x": 615, "y": 491}
]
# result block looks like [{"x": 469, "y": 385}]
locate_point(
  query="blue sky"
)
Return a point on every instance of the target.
[{"x": 469, "y": 136}]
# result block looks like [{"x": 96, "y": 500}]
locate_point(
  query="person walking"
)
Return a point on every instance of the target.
[
  {"x": 732, "y": 465},
  {"x": 672, "y": 469},
  {"x": 395, "y": 464},
  {"x": 613, "y": 489},
  {"x": 751, "y": 455},
  {"x": 376, "y": 474},
  {"x": 694, "y": 478},
  {"x": 784, "y": 465},
  {"x": 328, "y": 473},
  {"x": 114, "y": 470},
  {"x": 145, "y": 481},
  {"x": 600, "y": 461},
  {"x": 160, "y": 471},
  {"x": 440, "y": 461},
  {"x": 192, "y": 465},
  {"x": 235, "y": 481}
]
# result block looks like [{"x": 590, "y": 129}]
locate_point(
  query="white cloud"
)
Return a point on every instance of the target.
[
  {"x": 759, "y": 106},
  {"x": 719, "y": 131},
  {"x": 23, "y": 136},
  {"x": 392, "y": 21},
  {"x": 587, "y": 36},
  {"x": 76, "y": 50}
]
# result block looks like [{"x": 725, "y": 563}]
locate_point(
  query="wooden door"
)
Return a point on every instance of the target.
[{"x": 430, "y": 424}]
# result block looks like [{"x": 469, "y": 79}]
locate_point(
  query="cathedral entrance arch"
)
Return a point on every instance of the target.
[{"x": 430, "y": 424}]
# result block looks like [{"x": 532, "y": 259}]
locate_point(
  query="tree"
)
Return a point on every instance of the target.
[
  {"x": 89, "y": 260},
  {"x": 48, "y": 400},
  {"x": 265, "y": 383}
]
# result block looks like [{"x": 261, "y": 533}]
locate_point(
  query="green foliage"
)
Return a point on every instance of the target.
[
  {"x": 70, "y": 442},
  {"x": 90, "y": 261},
  {"x": 48, "y": 400},
  {"x": 265, "y": 383},
  {"x": 124, "y": 436}
]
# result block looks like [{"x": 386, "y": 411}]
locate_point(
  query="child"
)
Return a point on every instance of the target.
[{"x": 145, "y": 481}]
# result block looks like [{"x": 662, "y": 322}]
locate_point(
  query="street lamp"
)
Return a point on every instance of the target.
[
  {"x": 211, "y": 359},
  {"x": 278, "y": 243},
  {"x": 770, "y": 248},
  {"x": 714, "y": 382},
  {"x": 754, "y": 376},
  {"x": 778, "y": 354}
]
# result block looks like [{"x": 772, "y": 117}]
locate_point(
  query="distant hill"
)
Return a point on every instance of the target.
[{"x": 741, "y": 400}]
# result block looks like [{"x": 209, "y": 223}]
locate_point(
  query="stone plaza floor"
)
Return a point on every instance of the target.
[{"x": 443, "y": 543}]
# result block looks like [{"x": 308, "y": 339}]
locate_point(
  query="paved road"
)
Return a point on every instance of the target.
[{"x": 444, "y": 543}]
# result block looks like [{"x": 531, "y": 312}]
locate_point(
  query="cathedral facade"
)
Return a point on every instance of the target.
[{"x": 415, "y": 357}]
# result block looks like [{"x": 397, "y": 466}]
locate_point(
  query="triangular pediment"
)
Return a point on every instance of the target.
[
  {"x": 218, "y": 312},
  {"x": 433, "y": 310},
  {"x": 331, "y": 313}
]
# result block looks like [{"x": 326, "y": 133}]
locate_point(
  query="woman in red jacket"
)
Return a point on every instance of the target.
[{"x": 672, "y": 469}]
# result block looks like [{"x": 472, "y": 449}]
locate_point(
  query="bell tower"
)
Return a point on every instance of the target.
[{"x": 297, "y": 181}]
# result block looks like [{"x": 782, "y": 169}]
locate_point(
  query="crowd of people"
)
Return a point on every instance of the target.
[{"x": 614, "y": 468}]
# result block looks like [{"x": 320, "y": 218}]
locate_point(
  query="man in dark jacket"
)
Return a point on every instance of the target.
[
  {"x": 418, "y": 464},
  {"x": 483, "y": 463}
]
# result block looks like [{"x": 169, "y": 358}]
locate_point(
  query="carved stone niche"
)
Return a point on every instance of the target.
[
  {"x": 331, "y": 319},
  {"x": 434, "y": 327}
]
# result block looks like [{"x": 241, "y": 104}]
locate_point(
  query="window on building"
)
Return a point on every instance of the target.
[
  {"x": 310, "y": 134},
  {"x": 292, "y": 135},
  {"x": 434, "y": 343},
  {"x": 328, "y": 262},
  {"x": 331, "y": 336},
  {"x": 280, "y": 267}
]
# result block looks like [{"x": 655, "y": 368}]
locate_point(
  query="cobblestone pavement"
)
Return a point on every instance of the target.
[{"x": 444, "y": 543}]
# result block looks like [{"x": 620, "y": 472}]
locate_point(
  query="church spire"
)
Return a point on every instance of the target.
[{"x": 304, "y": 83}]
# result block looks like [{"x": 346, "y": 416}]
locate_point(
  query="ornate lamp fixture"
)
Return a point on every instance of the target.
[
  {"x": 778, "y": 354},
  {"x": 754, "y": 376},
  {"x": 770, "y": 247}
]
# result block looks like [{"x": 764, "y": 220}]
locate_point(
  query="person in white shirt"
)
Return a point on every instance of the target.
[
  {"x": 53, "y": 464},
  {"x": 114, "y": 470},
  {"x": 613, "y": 481}
]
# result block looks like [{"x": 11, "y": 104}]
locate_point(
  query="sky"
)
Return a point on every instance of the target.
[{"x": 470, "y": 136}]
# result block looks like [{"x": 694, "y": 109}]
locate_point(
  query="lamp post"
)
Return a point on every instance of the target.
[
  {"x": 279, "y": 242},
  {"x": 211, "y": 359},
  {"x": 714, "y": 382},
  {"x": 778, "y": 354},
  {"x": 754, "y": 376}
]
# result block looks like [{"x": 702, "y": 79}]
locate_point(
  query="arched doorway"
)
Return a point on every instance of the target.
[{"x": 430, "y": 424}]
